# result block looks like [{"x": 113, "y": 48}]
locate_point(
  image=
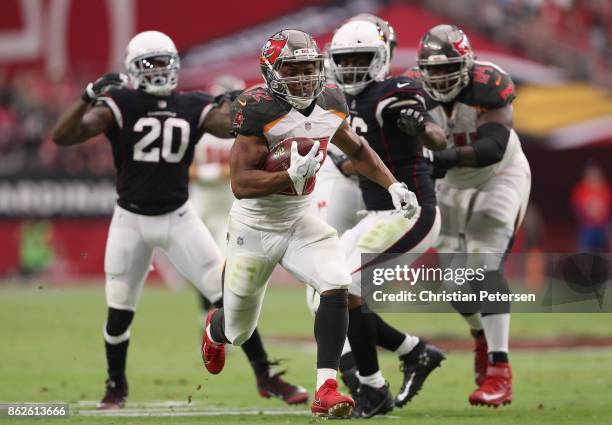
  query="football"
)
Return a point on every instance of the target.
[{"x": 279, "y": 157}]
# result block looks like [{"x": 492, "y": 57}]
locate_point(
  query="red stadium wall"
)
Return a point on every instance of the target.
[{"x": 90, "y": 36}]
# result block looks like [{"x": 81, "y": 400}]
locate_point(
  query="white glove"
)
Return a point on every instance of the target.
[
  {"x": 403, "y": 199},
  {"x": 301, "y": 167}
]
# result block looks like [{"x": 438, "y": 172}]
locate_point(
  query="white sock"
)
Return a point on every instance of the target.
[
  {"x": 346, "y": 348},
  {"x": 474, "y": 320},
  {"x": 210, "y": 336},
  {"x": 497, "y": 329},
  {"x": 407, "y": 345},
  {"x": 375, "y": 380},
  {"x": 323, "y": 375}
]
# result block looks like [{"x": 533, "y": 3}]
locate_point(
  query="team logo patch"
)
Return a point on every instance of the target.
[
  {"x": 272, "y": 49},
  {"x": 238, "y": 120},
  {"x": 240, "y": 240}
]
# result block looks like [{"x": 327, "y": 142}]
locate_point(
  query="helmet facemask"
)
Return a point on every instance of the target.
[
  {"x": 359, "y": 54},
  {"x": 155, "y": 73},
  {"x": 354, "y": 78},
  {"x": 299, "y": 80},
  {"x": 444, "y": 79}
]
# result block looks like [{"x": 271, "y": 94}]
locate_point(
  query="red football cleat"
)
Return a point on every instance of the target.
[
  {"x": 271, "y": 384},
  {"x": 481, "y": 360},
  {"x": 212, "y": 354},
  {"x": 496, "y": 388},
  {"x": 330, "y": 403}
]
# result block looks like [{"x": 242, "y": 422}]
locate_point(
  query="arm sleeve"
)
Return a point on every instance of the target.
[{"x": 491, "y": 142}]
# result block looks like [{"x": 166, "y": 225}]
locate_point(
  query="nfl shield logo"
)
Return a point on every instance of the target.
[
  {"x": 162, "y": 104},
  {"x": 308, "y": 126},
  {"x": 240, "y": 240}
]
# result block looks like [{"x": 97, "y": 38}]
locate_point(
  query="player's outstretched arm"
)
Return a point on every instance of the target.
[
  {"x": 80, "y": 123},
  {"x": 365, "y": 161},
  {"x": 368, "y": 163},
  {"x": 248, "y": 180},
  {"x": 218, "y": 122}
]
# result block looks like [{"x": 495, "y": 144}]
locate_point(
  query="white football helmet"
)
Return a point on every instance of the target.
[
  {"x": 359, "y": 36},
  {"x": 152, "y": 63}
]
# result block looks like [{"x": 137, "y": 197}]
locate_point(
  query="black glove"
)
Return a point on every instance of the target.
[
  {"x": 411, "y": 121},
  {"x": 338, "y": 160},
  {"x": 228, "y": 96},
  {"x": 103, "y": 84},
  {"x": 441, "y": 161}
]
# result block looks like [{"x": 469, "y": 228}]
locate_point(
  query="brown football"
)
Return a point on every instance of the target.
[{"x": 279, "y": 157}]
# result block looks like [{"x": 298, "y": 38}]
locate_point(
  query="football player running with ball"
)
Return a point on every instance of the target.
[
  {"x": 389, "y": 112},
  {"x": 153, "y": 130},
  {"x": 269, "y": 221},
  {"x": 484, "y": 193}
]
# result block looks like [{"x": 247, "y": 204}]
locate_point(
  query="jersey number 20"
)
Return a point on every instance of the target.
[{"x": 155, "y": 127}]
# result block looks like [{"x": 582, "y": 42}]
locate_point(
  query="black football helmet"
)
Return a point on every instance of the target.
[
  {"x": 445, "y": 58},
  {"x": 293, "y": 46}
]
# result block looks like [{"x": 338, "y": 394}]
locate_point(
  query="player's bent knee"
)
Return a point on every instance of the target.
[
  {"x": 119, "y": 294},
  {"x": 246, "y": 275}
]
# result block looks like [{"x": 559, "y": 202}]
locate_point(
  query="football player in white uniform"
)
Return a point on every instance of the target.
[
  {"x": 483, "y": 195},
  {"x": 153, "y": 129},
  {"x": 270, "y": 223}
]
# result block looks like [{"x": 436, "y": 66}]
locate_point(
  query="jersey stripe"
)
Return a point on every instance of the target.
[{"x": 114, "y": 109}]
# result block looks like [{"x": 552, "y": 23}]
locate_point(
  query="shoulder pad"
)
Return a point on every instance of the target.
[
  {"x": 252, "y": 110},
  {"x": 333, "y": 98},
  {"x": 406, "y": 91},
  {"x": 490, "y": 87}
]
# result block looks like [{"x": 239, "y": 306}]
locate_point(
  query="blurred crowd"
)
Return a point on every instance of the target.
[
  {"x": 30, "y": 104},
  {"x": 573, "y": 34}
]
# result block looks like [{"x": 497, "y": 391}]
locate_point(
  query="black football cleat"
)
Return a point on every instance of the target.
[
  {"x": 115, "y": 395},
  {"x": 416, "y": 367},
  {"x": 372, "y": 401},
  {"x": 351, "y": 380}
]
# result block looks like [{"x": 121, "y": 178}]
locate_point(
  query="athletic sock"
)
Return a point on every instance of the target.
[
  {"x": 323, "y": 374},
  {"x": 255, "y": 352},
  {"x": 117, "y": 341},
  {"x": 376, "y": 380},
  {"x": 497, "y": 328},
  {"x": 407, "y": 345},
  {"x": 330, "y": 327},
  {"x": 387, "y": 336},
  {"x": 362, "y": 336}
]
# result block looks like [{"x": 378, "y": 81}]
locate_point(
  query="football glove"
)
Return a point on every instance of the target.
[
  {"x": 301, "y": 167},
  {"x": 411, "y": 121},
  {"x": 403, "y": 199},
  {"x": 103, "y": 84},
  {"x": 227, "y": 96}
]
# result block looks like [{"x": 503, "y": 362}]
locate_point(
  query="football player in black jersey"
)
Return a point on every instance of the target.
[
  {"x": 389, "y": 112},
  {"x": 485, "y": 187},
  {"x": 153, "y": 129}
]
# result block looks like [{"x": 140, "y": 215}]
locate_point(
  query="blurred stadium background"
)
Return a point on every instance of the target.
[{"x": 55, "y": 204}]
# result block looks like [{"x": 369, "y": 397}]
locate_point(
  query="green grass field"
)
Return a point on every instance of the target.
[{"x": 52, "y": 350}]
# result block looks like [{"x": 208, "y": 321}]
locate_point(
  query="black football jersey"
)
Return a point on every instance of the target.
[
  {"x": 373, "y": 115},
  {"x": 153, "y": 141}
]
